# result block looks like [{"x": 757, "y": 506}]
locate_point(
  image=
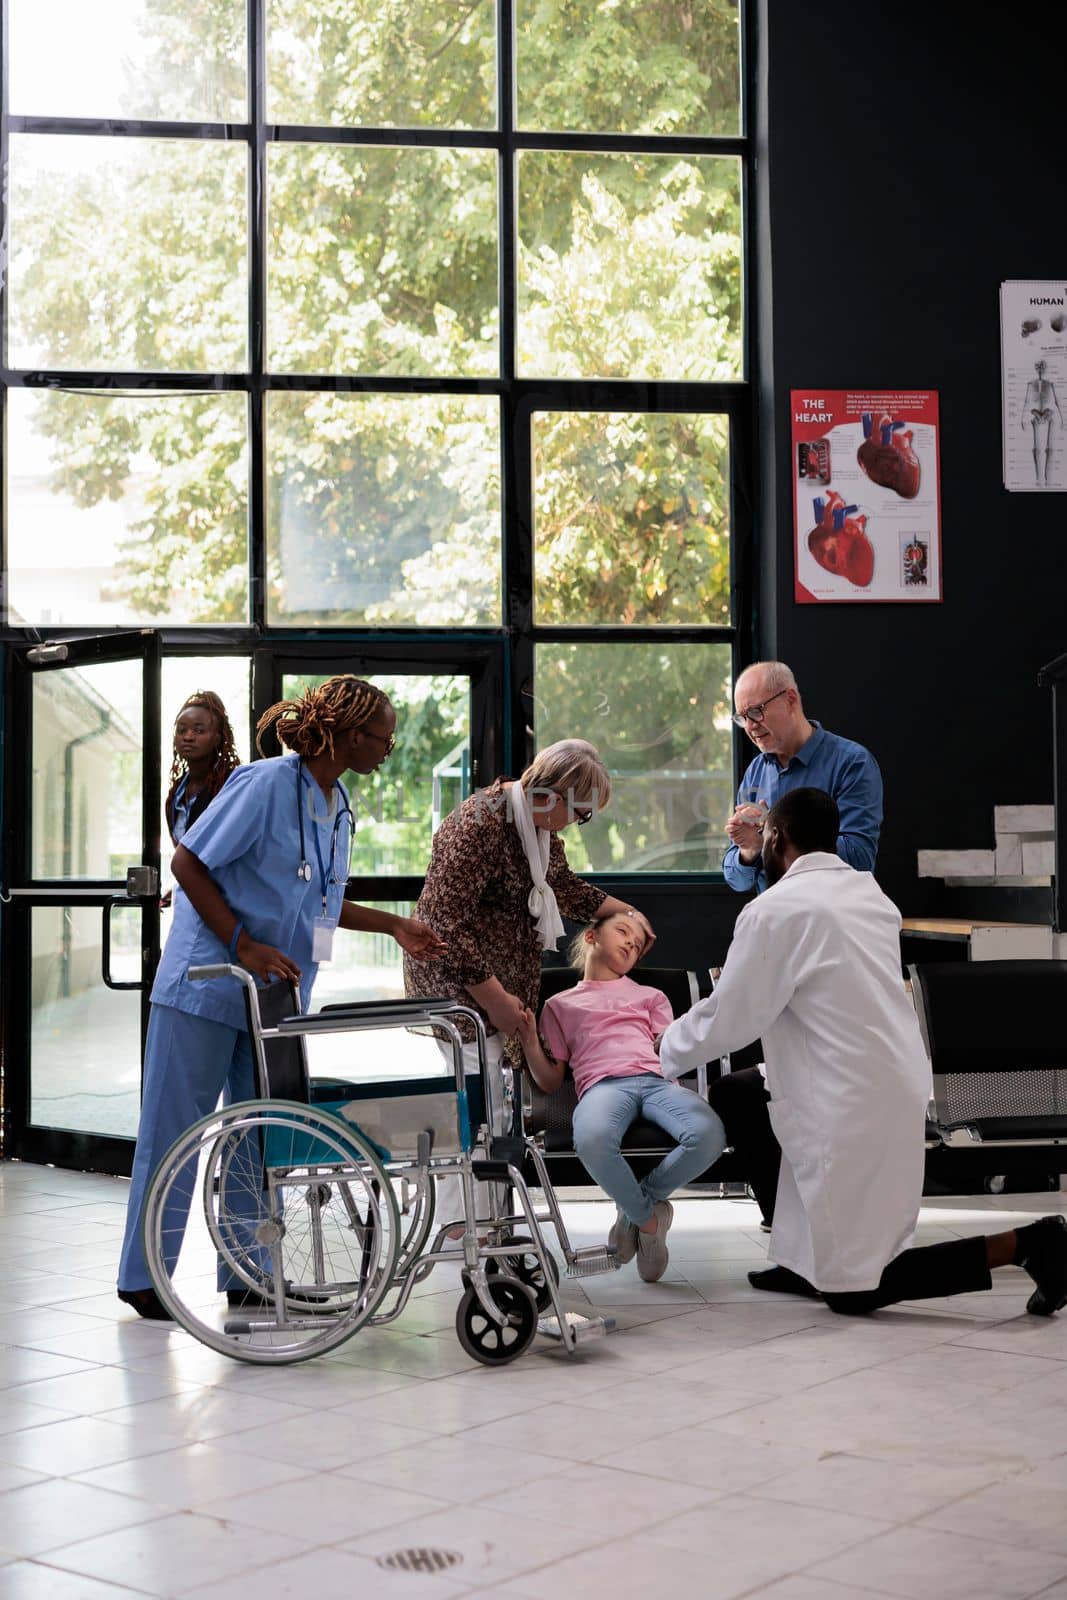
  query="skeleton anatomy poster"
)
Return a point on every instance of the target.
[
  {"x": 1033, "y": 349},
  {"x": 866, "y": 495}
]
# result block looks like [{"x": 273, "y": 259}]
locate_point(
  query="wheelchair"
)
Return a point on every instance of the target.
[{"x": 316, "y": 1202}]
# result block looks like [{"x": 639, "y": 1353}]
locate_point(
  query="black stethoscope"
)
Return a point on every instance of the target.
[{"x": 303, "y": 871}]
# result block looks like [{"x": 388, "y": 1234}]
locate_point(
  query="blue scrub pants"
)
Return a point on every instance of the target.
[
  {"x": 605, "y": 1112},
  {"x": 189, "y": 1062}
]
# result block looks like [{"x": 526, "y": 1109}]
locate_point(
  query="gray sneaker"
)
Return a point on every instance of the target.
[
  {"x": 652, "y": 1255},
  {"x": 623, "y": 1238}
]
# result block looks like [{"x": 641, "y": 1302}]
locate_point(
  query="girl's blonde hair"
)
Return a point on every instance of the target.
[
  {"x": 310, "y": 724},
  {"x": 571, "y": 768},
  {"x": 579, "y": 949}
]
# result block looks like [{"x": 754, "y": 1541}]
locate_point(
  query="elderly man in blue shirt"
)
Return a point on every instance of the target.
[{"x": 796, "y": 753}]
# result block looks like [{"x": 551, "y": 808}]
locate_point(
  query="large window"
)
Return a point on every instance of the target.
[{"x": 406, "y": 320}]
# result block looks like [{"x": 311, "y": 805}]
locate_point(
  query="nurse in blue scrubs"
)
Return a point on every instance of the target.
[{"x": 261, "y": 878}]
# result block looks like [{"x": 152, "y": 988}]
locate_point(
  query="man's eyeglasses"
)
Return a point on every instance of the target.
[{"x": 755, "y": 713}]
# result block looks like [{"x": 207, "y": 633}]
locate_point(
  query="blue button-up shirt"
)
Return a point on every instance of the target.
[{"x": 845, "y": 770}]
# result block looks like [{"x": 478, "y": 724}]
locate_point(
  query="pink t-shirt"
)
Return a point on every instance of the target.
[{"x": 605, "y": 1029}]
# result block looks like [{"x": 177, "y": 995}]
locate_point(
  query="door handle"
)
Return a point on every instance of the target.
[
  {"x": 142, "y": 883},
  {"x": 105, "y": 945}
]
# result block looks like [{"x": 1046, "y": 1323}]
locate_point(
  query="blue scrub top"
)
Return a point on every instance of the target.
[{"x": 249, "y": 841}]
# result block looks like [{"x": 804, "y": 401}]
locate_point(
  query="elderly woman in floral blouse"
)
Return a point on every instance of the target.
[{"x": 497, "y": 881}]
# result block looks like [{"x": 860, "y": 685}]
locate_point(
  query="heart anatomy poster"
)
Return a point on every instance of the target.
[
  {"x": 1033, "y": 348},
  {"x": 866, "y": 495}
]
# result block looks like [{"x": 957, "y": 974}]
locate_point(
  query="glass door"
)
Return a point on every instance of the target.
[
  {"x": 82, "y": 922},
  {"x": 444, "y": 749}
]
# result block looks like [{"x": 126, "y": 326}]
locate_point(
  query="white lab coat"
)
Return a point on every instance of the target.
[{"x": 814, "y": 971}]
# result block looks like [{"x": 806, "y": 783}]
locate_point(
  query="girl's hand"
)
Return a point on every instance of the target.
[
  {"x": 418, "y": 939},
  {"x": 527, "y": 1027}
]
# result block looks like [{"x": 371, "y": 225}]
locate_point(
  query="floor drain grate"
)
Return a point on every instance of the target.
[{"x": 420, "y": 1560}]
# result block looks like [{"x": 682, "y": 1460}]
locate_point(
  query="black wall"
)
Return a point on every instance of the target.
[{"x": 937, "y": 133}]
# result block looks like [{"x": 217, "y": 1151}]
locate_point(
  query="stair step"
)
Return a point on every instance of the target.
[
  {"x": 955, "y": 863},
  {"x": 1024, "y": 819}
]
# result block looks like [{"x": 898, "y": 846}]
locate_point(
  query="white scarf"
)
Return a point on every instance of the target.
[{"x": 535, "y": 843}]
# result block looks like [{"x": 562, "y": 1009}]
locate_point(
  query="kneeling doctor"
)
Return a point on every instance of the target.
[{"x": 814, "y": 971}]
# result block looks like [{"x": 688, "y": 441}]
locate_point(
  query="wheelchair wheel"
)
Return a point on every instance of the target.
[
  {"x": 311, "y": 1207},
  {"x": 527, "y": 1268},
  {"x": 287, "y": 1203},
  {"x": 482, "y": 1338}
]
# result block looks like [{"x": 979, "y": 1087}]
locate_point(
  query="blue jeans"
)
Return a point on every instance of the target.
[{"x": 605, "y": 1112}]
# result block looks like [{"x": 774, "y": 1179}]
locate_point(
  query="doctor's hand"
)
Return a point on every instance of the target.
[
  {"x": 265, "y": 962},
  {"x": 418, "y": 939}
]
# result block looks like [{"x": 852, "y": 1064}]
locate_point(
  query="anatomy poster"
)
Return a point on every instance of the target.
[
  {"x": 866, "y": 495},
  {"x": 1033, "y": 347}
]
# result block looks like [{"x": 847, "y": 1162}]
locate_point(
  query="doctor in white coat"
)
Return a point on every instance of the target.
[{"x": 814, "y": 971}]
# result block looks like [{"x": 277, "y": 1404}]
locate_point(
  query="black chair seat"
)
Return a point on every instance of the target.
[{"x": 1019, "y": 1127}]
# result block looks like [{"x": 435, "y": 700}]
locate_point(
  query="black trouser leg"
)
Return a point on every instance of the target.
[
  {"x": 740, "y": 1098},
  {"x": 925, "y": 1273}
]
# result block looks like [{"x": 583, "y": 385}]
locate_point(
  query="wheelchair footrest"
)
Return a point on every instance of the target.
[
  {"x": 507, "y": 1147},
  {"x": 490, "y": 1171},
  {"x": 581, "y": 1328},
  {"x": 587, "y": 1263}
]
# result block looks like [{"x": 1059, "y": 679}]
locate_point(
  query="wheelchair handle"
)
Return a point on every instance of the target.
[{"x": 203, "y": 974}]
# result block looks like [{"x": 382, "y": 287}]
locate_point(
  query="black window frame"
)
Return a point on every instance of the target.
[{"x": 513, "y": 640}]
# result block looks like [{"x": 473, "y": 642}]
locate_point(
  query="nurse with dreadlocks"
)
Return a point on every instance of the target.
[{"x": 263, "y": 872}]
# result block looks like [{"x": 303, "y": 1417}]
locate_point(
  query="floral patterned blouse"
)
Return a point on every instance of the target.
[{"x": 475, "y": 899}]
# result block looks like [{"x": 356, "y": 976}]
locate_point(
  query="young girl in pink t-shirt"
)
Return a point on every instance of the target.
[{"x": 607, "y": 1028}]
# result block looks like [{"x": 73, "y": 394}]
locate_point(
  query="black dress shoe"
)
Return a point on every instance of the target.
[
  {"x": 1043, "y": 1252},
  {"x": 779, "y": 1280},
  {"x": 146, "y": 1303}
]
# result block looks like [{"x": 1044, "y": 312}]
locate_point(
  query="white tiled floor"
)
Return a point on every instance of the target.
[{"x": 720, "y": 1443}]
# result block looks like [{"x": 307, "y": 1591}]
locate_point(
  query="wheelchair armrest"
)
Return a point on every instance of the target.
[{"x": 358, "y": 1007}]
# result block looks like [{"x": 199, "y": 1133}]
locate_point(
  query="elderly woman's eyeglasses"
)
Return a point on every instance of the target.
[
  {"x": 580, "y": 814},
  {"x": 755, "y": 713}
]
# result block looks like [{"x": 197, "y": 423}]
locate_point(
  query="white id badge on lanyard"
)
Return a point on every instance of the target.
[{"x": 322, "y": 931}]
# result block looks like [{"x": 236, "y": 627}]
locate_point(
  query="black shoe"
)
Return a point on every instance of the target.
[
  {"x": 1043, "y": 1252},
  {"x": 146, "y": 1303},
  {"x": 251, "y": 1299},
  {"x": 247, "y": 1298},
  {"x": 779, "y": 1280}
]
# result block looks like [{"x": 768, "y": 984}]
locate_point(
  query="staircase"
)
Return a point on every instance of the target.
[{"x": 1021, "y": 857}]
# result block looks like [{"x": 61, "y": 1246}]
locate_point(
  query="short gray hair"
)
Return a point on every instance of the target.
[
  {"x": 571, "y": 768},
  {"x": 778, "y": 675}
]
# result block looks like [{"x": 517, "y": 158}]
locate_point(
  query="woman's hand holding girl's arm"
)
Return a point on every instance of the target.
[
  {"x": 503, "y": 1009},
  {"x": 546, "y": 1073}
]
